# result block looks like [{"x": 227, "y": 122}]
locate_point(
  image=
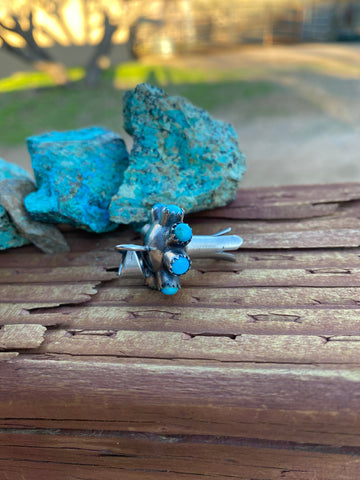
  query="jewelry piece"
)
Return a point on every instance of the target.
[{"x": 168, "y": 245}]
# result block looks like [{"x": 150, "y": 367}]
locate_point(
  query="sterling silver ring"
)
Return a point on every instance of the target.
[{"x": 168, "y": 246}]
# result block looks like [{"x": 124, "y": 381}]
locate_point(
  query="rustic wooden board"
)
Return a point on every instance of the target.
[
  {"x": 260, "y": 348},
  {"x": 290, "y": 202},
  {"x": 304, "y": 427},
  {"x": 250, "y": 372},
  {"x": 211, "y": 321},
  {"x": 173, "y": 457},
  {"x": 18, "y": 336}
]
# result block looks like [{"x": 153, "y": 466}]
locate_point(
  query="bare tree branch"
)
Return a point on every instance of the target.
[
  {"x": 24, "y": 54},
  {"x": 32, "y": 52},
  {"x": 41, "y": 59},
  {"x": 32, "y": 47}
]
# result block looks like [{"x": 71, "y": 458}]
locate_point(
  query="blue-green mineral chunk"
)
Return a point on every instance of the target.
[
  {"x": 76, "y": 172},
  {"x": 9, "y": 235},
  {"x": 10, "y": 170},
  {"x": 181, "y": 155}
]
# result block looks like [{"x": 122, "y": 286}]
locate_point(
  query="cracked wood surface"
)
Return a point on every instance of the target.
[
  {"x": 250, "y": 371},
  {"x": 302, "y": 349},
  {"x": 21, "y": 336},
  {"x": 174, "y": 456}
]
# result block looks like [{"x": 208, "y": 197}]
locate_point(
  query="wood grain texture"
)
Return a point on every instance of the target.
[
  {"x": 18, "y": 336},
  {"x": 4, "y": 356},
  {"x": 280, "y": 348},
  {"x": 173, "y": 457},
  {"x": 289, "y": 202},
  {"x": 250, "y": 372},
  {"x": 304, "y": 427},
  {"x": 106, "y": 387}
]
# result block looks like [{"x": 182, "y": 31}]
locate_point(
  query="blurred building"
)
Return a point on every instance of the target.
[
  {"x": 214, "y": 23},
  {"x": 163, "y": 27}
]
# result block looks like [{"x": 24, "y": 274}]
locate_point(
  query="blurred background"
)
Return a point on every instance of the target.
[{"x": 285, "y": 73}]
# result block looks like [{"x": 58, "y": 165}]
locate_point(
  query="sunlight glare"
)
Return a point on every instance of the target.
[
  {"x": 73, "y": 16},
  {"x": 50, "y": 24}
]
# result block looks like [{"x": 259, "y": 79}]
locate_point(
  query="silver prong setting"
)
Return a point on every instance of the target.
[{"x": 161, "y": 260}]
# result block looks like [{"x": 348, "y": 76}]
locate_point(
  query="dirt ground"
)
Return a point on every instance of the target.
[{"x": 307, "y": 129}]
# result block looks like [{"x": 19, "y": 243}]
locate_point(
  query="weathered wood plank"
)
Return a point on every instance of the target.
[
  {"x": 81, "y": 241},
  {"x": 321, "y": 427},
  {"x": 13, "y": 313},
  {"x": 205, "y": 226},
  {"x": 5, "y": 356},
  {"x": 310, "y": 258},
  {"x": 276, "y": 259},
  {"x": 114, "y": 294},
  {"x": 31, "y": 258},
  {"x": 288, "y": 202},
  {"x": 316, "y": 193},
  {"x": 50, "y": 294},
  {"x": 328, "y": 277},
  {"x": 271, "y": 211},
  {"x": 177, "y": 392},
  {"x": 122, "y": 383},
  {"x": 231, "y": 275},
  {"x": 14, "y": 337},
  {"x": 301, "y": 349},
  {"x": 267, "y": 349},
  {"x": 19, "y": 336},
  {"x": 201, "y": 320},
  {"x": 308, "y": 239},
  {"x": 55, "y": 274},
  {"x": 186, "y": 455},
  {"x": 59, "y": 471}
]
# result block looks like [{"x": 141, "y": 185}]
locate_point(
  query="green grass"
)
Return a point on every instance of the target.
[
  {"x": 25, "y": 113},
  {"x": 132, "y": 73},
  {"x": 27, "y": 80},
  {"x": 27, "y": 109}
]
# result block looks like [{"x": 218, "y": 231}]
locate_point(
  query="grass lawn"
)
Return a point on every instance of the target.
[{"x": 30, "y": 104}]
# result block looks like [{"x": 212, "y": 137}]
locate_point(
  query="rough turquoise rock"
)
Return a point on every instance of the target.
[
  {"x": 9, "y": 235},
  {"x": 180, "y": 155},
  {"x": 76, "y": 172}
]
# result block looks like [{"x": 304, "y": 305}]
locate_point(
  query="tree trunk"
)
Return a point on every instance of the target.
[{"x": 94, "y": 67}]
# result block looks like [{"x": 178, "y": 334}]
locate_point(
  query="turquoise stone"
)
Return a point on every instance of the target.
[
  {"x": 10, "y": 170},
  {"x": 180, "y": 265},
  {"x": 9, "y": 235},
  {"x": 169, "y": 290},
  {"x": 174, "y": 209},
  {"x": 77, "y": 172},
  {"x": 183, "y": 232},
  {"x": 181, "y": 155}
]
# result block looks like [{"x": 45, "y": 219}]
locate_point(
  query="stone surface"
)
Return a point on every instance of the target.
[
  {"x": 10, "y": 237},
  {"x": 180, "y": 155},
  {"x": 77, "y": 173},
  {"x": 46, "y": 237}
]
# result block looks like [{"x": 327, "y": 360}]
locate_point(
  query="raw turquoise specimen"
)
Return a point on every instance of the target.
[
  {"x": 9, "y": 236},
  {"x": 77, "y": 172},
  {"x": 180, "y": 155}
]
